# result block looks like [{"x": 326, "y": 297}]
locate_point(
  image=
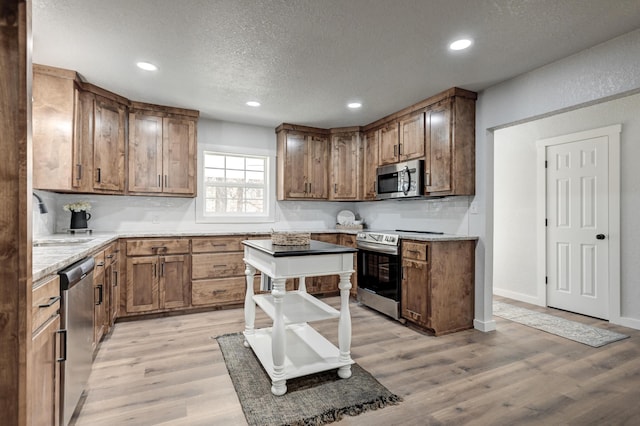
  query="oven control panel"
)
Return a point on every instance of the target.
[{"x": 378, "y": 238}]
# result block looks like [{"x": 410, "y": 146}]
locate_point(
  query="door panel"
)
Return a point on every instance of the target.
[
  {"x": 142, "y": 284},
  {"x": 178, "y": 152},
  {"x": 577, "y": 211}
]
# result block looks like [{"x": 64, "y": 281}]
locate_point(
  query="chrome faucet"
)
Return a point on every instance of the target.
[{"x": 41, "y": 205}]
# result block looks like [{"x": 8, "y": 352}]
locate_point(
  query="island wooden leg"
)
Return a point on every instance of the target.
[
  {"x": 249, "y": 305},
  {"x": 278, "y": 383},
  {"x": 344, "y": 326}
]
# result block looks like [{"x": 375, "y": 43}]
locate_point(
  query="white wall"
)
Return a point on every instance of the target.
[
  {"x": 596, "y": 74},
  {"x": 515, "y": 199}
]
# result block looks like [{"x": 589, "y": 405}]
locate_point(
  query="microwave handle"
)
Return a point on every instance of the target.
[{"x": 405, "y": 185}]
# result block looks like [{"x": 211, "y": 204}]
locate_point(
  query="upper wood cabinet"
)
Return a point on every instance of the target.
[
  {"x": 389, "y": 137},
  {"x": 344, "y": 180},
  {"x": 411, "y": 137},
  {"x": 368, "y": 173},
  {"x": 303, "y": 158},
  {"x": 57, "y": 156},
  {"x": 162, "y": 151},
  {"x": 450, "y": 148},
  {"x": 78, "y": 134}
]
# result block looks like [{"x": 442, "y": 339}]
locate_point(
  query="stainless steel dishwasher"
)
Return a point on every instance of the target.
[{"x": 76, "y": 287}]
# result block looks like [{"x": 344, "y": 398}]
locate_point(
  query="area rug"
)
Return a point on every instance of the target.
[
  {"x": 316, "y": 399},
  {"x": 572, "y": 330}
]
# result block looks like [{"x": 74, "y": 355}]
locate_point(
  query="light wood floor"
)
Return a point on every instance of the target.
[{"x": 170, "y": 371}]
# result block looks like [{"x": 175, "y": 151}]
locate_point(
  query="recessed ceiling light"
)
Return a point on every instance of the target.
[
  {"x": 147, "y": 66},
  {"x": 354, "y": 105},
  {"x": 253, "y": 103},
  {"x": 461, "y": 44}
]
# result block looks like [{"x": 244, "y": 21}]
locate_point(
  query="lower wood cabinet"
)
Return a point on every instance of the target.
[
  {"x": 438, "y": 284},
  {"x": 327, "y": 284},
  {"x": 218, "y": 277},
  {"x": 100, "y": 299},
  {"x": 158, "y": 275},
  {"x": 44, "y": 376}
]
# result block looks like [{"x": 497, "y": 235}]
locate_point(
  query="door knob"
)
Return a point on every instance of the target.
[{"x": 600, "y": 237}]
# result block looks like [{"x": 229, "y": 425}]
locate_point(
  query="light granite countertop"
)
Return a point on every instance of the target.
[{"x": 54, "y": 252}]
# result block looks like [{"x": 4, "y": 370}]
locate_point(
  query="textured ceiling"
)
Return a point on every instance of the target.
[{"x": 305, "y": 59}]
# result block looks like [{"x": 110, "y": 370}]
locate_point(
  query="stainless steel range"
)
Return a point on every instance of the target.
[{"x": 379, "y": 271}]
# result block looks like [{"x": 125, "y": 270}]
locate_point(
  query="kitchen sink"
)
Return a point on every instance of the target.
[{"x": 61, "y": 242}]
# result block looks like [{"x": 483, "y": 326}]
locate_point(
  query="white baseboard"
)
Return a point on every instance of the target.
[
  {"x": 534, "y": 300},
  {"x": 484, "y": 326},
  {"x": 627, "y": 322}
]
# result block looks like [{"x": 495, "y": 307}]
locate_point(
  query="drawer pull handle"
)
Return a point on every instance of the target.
[
  {"x": 219, "y": 266},
  {"x": 52, "y": 300}
]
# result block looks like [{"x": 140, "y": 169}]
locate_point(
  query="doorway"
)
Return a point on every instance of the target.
[{"x": 579, "y": 221}]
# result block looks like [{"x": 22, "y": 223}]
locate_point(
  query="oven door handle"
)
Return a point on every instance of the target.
[{"x": 377, "y": 248}]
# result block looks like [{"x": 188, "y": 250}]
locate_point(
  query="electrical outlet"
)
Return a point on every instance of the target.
[{"x": 473, "y": 208}]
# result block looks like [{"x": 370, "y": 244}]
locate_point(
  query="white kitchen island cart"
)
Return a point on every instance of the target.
[{"x": 291, "y": 347}]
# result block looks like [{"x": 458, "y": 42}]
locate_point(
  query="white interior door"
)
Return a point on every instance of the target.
[{"x": 577, "y": 239}]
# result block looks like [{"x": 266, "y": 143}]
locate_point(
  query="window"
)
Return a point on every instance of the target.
[{"x": 235, "y": 185}]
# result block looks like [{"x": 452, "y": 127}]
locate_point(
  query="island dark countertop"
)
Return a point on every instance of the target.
[{"x": 314, "y": 248}]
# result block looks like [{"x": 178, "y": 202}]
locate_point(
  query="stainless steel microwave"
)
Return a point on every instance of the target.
[{"x": 401, "y": 180}]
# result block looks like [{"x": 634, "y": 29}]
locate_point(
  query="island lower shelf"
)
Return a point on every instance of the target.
[
  {"x": 297, "y": 307},
  {"x": 306, "y": 351}
]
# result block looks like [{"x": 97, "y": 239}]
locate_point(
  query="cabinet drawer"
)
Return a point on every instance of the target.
[
  {"x": 415, "y": 250},
  {"x": 348, "y": 240},
  {"x": 45, "y": 301},
  {"x": 156, "y": 247},
  {"x": 111, "y": 254},
  {"x": 217, "y": 265},
  {"x": 220, "y": 290},
  {"x": 327, "y": 238},
  {"x": 99, "y": 259},
  {"x": 217, "y": 244}
]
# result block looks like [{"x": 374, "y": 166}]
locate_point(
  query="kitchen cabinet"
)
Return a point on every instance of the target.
[
  {"x": 44, "y": 377},
  {"x": 438, "y": 284},
  {"x": 345, "y": 164},
  {"x": 302, "y": 162},
  {"x": 157, "y": 275},
  {"x": 411, "y": 144},
  {"x": 112, "y": 280},
  {"x": 389, "y": 138},
  {"x": 349, "y": 240},
  {"x": 162, "y": 151},
  {"x": 78, "y": 134},
  {"x": 57, "y": 150},
  {"x": 218, "y": 272},
  {"x": 368, "y": 173},
  {"x": 100, "y": 299},
  {"x": 450, "y": 147},
  {"x": 326, "y": 284}
]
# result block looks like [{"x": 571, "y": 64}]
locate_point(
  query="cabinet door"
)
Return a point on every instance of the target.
[
  {"x": 344, "y": 166},
  {"x": 327, "y": 283},
  {"x": 145, "y": 153},
  {"x": 438, "y": 145},
  {"x": 175, "y": 291},
  {"x": 411, "y": 137},
  {"x": 108, "y": 146},
  {"x": 142, "y": 284},
  {"x": 389, "y": 136},
  {"x": 369, "y": 170},
  {"x": 46, "y": 377},
  {"x": 295, "y": 168},
  {"x": 317, "y": 164},
  {"x": 415, "y": 292},
  {"x": 114, "y": 293},
  {"x": 99, "y": 305},
  {"x": 56, "y": 152},
  {"x": 179, "y": 156}
]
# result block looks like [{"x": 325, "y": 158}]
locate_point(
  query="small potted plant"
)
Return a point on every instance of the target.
[{"x": 79, "y": 214}]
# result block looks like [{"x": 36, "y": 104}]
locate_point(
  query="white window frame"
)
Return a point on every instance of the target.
[{"x": 267, "y": 217}]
